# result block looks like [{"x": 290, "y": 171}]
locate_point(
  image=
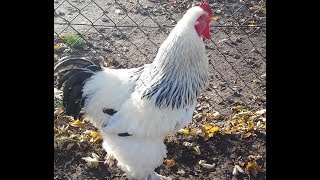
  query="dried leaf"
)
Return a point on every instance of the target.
[
  {"x": 94, "y": 155},
  {"x": 250, "y": 126},
  {"x": 206, "y": 165},
  {"x": 196, "y": 150},
  {"x": 212, "y": 116},
  {"x": 184, "y": 131},
  {"x": 263, "y": 119},
  {"x": 91, "y": 162},
  {"x": 95, "y": 135},
  {"x": 187, "y": 144},
  {"x": 209, "y": 130},
  {"x": 58, "y": 111},
  {"x": 246, "y": 135},
  {"x": 56, "y": 47},
  {"x": 181, "y": 172},
  {"x": 188, "y": 131},
  {"x": 253, "y": 168},
  {"x": 77, "y": 123},
  {"x": 235, "y": 171},
  {"x": 55, "y": 129},
  {"x": 239, "y": 108},
  {"x": 239, "y": 169},
  {"x": 261, "y": 112},
  {"x": 202, "y": 162},
  {"x": 169, "y": 163},
  {"x": 254, "y": 157}
]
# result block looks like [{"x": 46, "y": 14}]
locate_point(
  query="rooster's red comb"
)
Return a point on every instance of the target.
[{"x": 205, "y": 6}]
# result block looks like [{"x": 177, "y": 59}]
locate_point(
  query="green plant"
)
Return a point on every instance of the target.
[{"x": 74, "y": 41}]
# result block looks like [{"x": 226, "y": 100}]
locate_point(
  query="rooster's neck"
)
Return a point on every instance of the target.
[{"x": 178, "y": 74}]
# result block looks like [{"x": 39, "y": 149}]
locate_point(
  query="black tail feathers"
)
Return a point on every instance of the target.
[{"x": 74, "y": 81}]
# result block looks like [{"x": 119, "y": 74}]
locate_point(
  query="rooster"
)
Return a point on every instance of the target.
[{"x": 135, "y": 109}]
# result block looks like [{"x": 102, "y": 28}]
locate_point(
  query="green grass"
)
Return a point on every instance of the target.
[{"x": 74, "y": 41}]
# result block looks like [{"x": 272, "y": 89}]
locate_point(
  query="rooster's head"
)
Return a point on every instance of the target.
[{"x": 200, "y": 16}]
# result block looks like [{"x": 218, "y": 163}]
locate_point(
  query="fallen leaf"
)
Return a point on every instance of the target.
[
  {"x": 77, "y": 123},
  {"x": 253, "y": 168},
  {"x": 239, "y": 169},
  {"x": 261, "y": 112},
  {"x": 188, "y": 131},
  {"x": 209, "y": 130},
  {"x": 206, "y": 165},
  {"x": 187, "y": 144},
  {"x": 181, "y": 172},
  {"x": 56, "y": 47},
  {"x": 235, "y": 171},
  {"x": 254, "y": 157},
  {"x": 196, "y": 150},
  {"x": 184, "y": 131},
  {"x": 95, "y": 135},
  {"x": 58, "y": 111},
  {"x": 250, "y": 126},
  {"x": 239, "y": 108},
  {"x": 94, "y": 155},
  {"x": 92, "y": 161},
  {"x": 56, "y": 129},
  {"x": 246, "y": 135},
  {"x": 263, "y": 119},
  {"x": 169, "y": 163}
]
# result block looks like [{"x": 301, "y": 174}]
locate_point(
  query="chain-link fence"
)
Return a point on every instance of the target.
[{"x": 128, "y": 33}]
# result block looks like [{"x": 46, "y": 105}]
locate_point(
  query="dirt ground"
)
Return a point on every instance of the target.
[
  {"x": 233, "y": 101},
  {"x": 223, "y": 150}
]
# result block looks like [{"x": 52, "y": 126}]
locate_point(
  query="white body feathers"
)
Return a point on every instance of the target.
[{"x": 151, "y": 102}]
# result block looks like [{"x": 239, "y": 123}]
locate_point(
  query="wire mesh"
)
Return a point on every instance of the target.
[{"x": 128, "y": 33}]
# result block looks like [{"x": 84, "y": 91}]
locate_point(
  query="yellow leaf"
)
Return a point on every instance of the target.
[
  {"x": 250, "y": 126},
  {"x": 56, "y": 47},
  {"x": 264, "y": 126},
  {"x": 94, "y": 136},
  {"x": 193, "y": 131},
  {"x": 188, "y": 131},
  {"x": 246, "y": 135},
  {"x": 77, "y": 123},
  {"x": 239, "y": 108},
  {"x": 56, "y": 129},
  {"x": 184, "y": 131},
  {"x": 169, "y": 163},
  {"x": 228, "y": 131},
  {"x": 211, "y": 129},
  {"x": 253, "y": 168}
]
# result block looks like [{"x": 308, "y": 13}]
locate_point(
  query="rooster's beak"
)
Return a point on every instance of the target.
[{"x": 213, "y": 18}]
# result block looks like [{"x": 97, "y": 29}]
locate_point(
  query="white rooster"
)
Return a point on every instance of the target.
[{"x": 136, "y": 108}]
